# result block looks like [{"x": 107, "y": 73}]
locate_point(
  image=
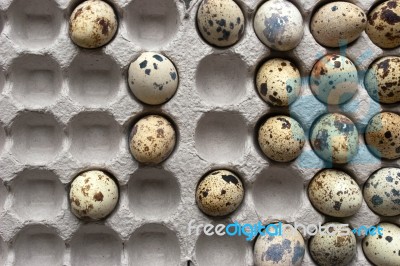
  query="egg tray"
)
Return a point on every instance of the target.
[{"x": 65, "y": 110}]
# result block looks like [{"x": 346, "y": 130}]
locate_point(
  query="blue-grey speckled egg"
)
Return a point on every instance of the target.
[
  {"x": 287, "y": 249},
  {"x": 334, "y": 79},
  {"x": 334, "y": 137},
  {"x": 279, "y": 25},
  {"x": 383, "y": 249},
  {"x": 382, "y": 192}
]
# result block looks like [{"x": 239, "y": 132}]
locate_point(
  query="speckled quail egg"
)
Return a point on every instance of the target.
[
  {"x": 219, "y": 193},
  {"x": 92, "y": 24},
  {"x": 383, "y": 26},
  {"x": 220, "y": 22},
  {"x": 93, "y": 195},
  {"x": 153, "y": 78},
  {"x": 336, "y": 247},
  {"x": 152, "y": 139},
  {"x": 281, "y": 138},
  {"x": 334, "y": 138},
  {"x": 334, "y": 79},
  {"x": 279, "y": 25},
  {"x": 278, "y": 82},
  {"x": 383, "y": 135},
  {"x": 383, "y": 249},
  {"x": 382, "y": 80},
  {"x": 338, "y": 23},
  {"x": 382, "y": 192},
  {"x": 335, "y": 193},
  {"x": 287, "y": 249}
]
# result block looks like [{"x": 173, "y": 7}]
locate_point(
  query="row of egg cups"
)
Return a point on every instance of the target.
[{"x": 221, "y": 23}]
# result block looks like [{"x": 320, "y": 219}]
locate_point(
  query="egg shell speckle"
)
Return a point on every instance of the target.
[
  {"x": 279, "y": 25},
  {"x": 219, "y": 193},
  {"x": 334, "y": 79},
  {"x": 278, "y": 82},
  {"x": 384, "y": 24},
  {"x": 153, "y": 78},
  {"x": 382, "y": 192},
  {"x": 336, "y": 248},
  {"x": 338, "y": 23},
  {"x": 335, "y": 193},
  {"x": 152, "y": 139},
  {"x": 385, "y": 249},
  {"x": 220, "y": 22},
  {"x": 281, "y": 138},
  {"x": 92, "y": 24},
  {"x": 93, "y": 195},
  {"x": 382, "y": 80},
  {"x": 287, "y": 249},
  {"x": 383, "y": 135}
]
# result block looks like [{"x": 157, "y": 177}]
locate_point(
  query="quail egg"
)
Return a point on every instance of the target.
[
  {"x": 220, "y": 22},
  {"x": 287, "y": 249},
  {"x": 281, "y": 138},
  {"x": 152, "y": 139},
  {"x": 383, "y": 26},
  {"x": 219, "y": 193},
  {"x": 278, "y": 82},
  {"x": 93, "y": 195},
  {"x": 334, "y": 79},
  {"x": 335, "y": 193},
  {"x": 92, "y": 24},
  {"x": 383, "y": 249},
  {"x": 335, "y": 245},
  {"x": 382, "y": 192},
  {"x": 334, "y": 138},
  {"x": 279, "y": 25},
  {"x": 338, "y": 23},
  {"x": 383, "y": 135},
  {"x": 152, "y": 78},
  {"x": 382, "y": 80}
]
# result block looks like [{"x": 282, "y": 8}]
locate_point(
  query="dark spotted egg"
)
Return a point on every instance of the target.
[
  {"x": 383, "y": 26},
  {"x": 153, "y": 78},
  {"x": 219, "y": 193},
  {"x": 334, "y": 138},
  {"x": 334, "y": 79},
  {"x": 279, "y": 25},
  {"x": 383, "y": 249},
  {"x": 383, "y": 135},
  {"x": 382, "y": 80},
  {"x": 220, "y": 22},
  {"x": 286, "y": 249},
  {"x": 382, "y": 191}
]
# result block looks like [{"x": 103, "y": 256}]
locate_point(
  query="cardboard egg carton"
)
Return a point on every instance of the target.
[{"x": 65, "y": 110}]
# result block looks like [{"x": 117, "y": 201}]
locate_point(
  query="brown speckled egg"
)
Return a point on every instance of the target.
[
  {"x": 152, "y": 139},
  {"x": 383, "y": 135},
  {"x": 383, "y": 26},
  {"x": 287, "y": 249},
  {"x": 336, "y": 247},
  {"x": 279, "y": 25},
  {"x": 278, "y": 82},
  {"x": 382, "y": 191},
  {"x": 220, "y": 22},
  {"x": 334, "y": 79},
  {"x": 281, "y": 138},
  {"x": 219, "y": 193},
  {"x": 382, "y": 80},
  {"x": 334, "y": 138},
  {"x": 92, "y": 24},
  {"x": 383, "y": 249},
  {"x": 335, "y": 193},
  {"x": 93, "y": 195},
  {"x": 338, "y": 23}
]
